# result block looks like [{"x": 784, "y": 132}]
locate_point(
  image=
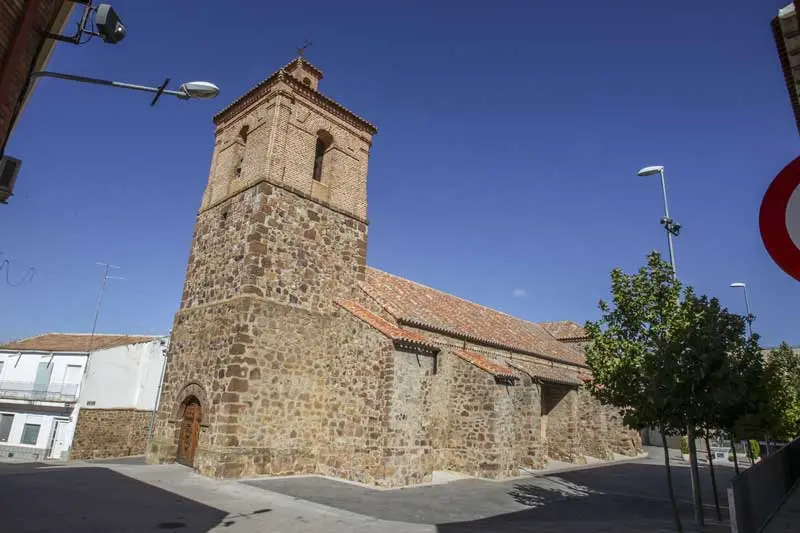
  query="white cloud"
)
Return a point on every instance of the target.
[{"x": 519, "y": 293}]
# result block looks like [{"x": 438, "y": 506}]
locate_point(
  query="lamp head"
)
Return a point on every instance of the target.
[
  {"x": 199, "y": 89},
  {"x": 738, "y": 285},
  {"x": 649, "y": 171}
]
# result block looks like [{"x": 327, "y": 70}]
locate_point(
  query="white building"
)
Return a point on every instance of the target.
[{"x": 46, "y": 381}]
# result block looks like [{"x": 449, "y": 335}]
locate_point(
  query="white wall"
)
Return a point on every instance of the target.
[
  {"x": 45, "y": 421},
  {"x": 123, "y": 377},
  {"x": 22, "y": 367}
]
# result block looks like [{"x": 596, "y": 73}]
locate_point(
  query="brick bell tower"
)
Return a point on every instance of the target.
[{"x": 281, "y": 232}]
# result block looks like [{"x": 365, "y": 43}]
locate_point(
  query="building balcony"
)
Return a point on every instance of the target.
[{"x": 26, "y": 390}]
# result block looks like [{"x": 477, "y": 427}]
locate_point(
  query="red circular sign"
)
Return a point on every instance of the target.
[{"x": 779, "y": 219}]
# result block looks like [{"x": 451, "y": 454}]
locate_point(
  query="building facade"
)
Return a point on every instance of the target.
[
  {"x": 78, "y": 396},
  {"x": 24, "y": 49},
  {"x": 786, "y": 31},
  {"x": 289, "y": 355}
]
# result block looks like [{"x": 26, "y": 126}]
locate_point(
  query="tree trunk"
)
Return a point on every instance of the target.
[
  {"x": 713, "y": 479},
  {"x": 694, "y": 473},
  {"x": 675, "y": 512},
  {"x": 735, "y": 461}
]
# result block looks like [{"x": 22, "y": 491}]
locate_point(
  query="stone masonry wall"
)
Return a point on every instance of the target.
[
  {"x": 273, "y": 243},
  {"x": 559, "y": 405},
  {"x": 593, "y": 429},
  {"x": 358, "y": 369},
  {"x": 103, "y": 433},
  {"x": 410, "y": 422}
]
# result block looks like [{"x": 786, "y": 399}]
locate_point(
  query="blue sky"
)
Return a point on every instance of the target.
[{"x": 503, "y": 172}]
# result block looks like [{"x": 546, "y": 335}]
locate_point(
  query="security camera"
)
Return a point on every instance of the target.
[{"x": 111, "y": 29}]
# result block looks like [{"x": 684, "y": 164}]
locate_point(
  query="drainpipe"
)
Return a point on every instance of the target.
[{"x": 158, "y": 397}]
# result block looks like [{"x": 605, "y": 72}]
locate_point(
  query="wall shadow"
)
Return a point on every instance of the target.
[{"x": 77, "y": 500}]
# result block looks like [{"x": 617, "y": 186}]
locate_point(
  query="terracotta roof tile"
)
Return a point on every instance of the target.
[
  {"x": 565, "y": 330},
  {"x": 429, "y": 308},
  {"x": 73, "y": 342},
  {"x": 392, "y": 331},
  {"x": 548, "y": 373},
  {"x": 483, "y": 363}
]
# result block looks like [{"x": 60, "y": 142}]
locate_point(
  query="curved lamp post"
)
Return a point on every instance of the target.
[
  {"x": 186, "y": 91},
  {"x": 750, "y": 317}
]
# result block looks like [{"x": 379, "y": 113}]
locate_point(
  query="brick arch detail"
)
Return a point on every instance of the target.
[{"x": 196, "y": 390}]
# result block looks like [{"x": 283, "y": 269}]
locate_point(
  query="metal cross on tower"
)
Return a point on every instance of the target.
[{"x": 302, "y": 49}]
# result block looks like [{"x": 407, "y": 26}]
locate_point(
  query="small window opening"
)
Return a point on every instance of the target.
[
  {"x": 324, "y": 141},
  {"x": 242, "y": 138}
]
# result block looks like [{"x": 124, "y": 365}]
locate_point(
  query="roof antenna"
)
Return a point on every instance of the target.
[{"x": 106, "y": 277}]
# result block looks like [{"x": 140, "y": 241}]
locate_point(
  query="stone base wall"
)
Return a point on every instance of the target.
[
  {"x": 602, "y": 432},
  {"x": 285, "y": 390},
  {"x": 104, "y": 433}
]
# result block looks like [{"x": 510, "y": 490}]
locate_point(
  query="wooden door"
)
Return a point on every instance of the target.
[{"x": 190, "y": 432}]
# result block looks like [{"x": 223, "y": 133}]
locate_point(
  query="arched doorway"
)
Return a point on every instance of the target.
[{"x": 191, "y": 414}]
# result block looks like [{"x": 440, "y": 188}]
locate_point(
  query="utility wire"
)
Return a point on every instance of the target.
[{"x": 26, "y": 278}]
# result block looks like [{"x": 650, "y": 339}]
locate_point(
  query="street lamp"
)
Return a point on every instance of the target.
[
  {"x": 673, "y": 229},
  {"x": 750, "y": 317},
  {"x": 192, "y": 89}
]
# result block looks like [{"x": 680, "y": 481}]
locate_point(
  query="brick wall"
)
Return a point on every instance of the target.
[
  {"x": 102, "y": 433},
  {"x": 282, "y": 131},
  {"x": 14, "y": 67}
]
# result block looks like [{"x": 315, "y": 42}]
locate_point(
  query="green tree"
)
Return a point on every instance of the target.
[
  {"x": 631, "y": 349},
  {"x": 711, "y": 347},
  {"x": 783, "y": 375}
]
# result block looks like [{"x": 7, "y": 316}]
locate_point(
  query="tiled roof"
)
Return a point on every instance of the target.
[
  {"x": 548, "y": 373},
  {"x": 416, "y": 304},
  {"x": 483, "y": 363},
  {"x": 73, "y": 342},
  {"x": 392, "y": 331},
  {"x": 565, "y": 330}
]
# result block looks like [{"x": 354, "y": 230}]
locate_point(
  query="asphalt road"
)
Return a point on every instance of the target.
[
  {"x": 622, "y": 497},
  {"x": 112, "y": 497}
]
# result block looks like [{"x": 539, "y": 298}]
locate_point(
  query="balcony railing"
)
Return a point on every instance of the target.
[{"x": 26, "y": 390}]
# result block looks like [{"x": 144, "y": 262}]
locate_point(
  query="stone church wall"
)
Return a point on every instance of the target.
[
  {"x": 274, "y": 243},
  {"x": 560, "y": 407},
  {"x": 104, "y": 433},
  {"x": 358, "y": 370}
]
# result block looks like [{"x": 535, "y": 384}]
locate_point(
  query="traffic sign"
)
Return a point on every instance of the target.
[{"x": 779, "y": 219}]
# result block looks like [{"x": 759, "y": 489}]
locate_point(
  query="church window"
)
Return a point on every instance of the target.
[
  {"x": 324, "y": 141},
  {"x": 242, "y": 140},
  {"x": 307, "y": 81}
]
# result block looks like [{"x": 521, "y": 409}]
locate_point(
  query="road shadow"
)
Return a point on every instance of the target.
[{"x": 78, "y": 500}]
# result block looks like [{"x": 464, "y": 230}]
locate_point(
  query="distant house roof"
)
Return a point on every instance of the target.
[
  {"x": 417, "y": 305},
  {"x": 565, "y": 330},
  {"x": 73, "y": 342}
]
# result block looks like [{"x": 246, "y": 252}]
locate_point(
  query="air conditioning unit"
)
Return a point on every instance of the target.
[{"x": 9, "y": 168}]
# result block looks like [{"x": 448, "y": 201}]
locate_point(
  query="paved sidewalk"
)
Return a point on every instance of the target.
[{"x": 788, "y": 516}]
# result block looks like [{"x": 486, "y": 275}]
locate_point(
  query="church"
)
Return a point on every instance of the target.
[{"x": 289, "y": 355}]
